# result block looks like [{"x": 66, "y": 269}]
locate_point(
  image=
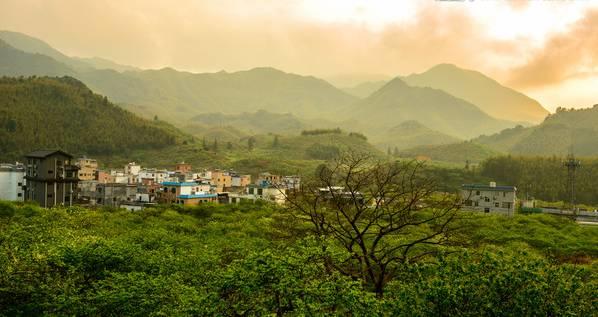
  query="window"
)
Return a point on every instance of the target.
[
  {"x": 19, "y": 184},
  {"x": 506, "y": 205},
  {"x": 173, "y": 190},
  {"x": 477, "y": 193},
  {"x": 487, "y": 199},
  {"x": 20, "y": 195},
  {"x": 50, "y": 196},
  {"x": 496, "y": 205},
  {"x": 504, "y": 194},
  {"x": 50, "y": 172}
]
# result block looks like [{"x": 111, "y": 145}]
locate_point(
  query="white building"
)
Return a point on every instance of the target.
[
  {"x": 269, "y": 193},
  {"x": 489, "y": 198},
  {"x": 132, "y": 169},
  {"x": 159, "y": 176},
  {"x": 12, "y": 181}
]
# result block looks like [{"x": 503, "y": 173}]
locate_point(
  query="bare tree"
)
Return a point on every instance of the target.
[{"x": 386, "y": 215}]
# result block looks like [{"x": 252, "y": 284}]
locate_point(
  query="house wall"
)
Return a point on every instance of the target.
[
  {"x": 11, "y": 183},
  {"x": 487, "y": 200}
]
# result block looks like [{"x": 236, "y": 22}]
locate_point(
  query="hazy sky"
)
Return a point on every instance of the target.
[{"x": 545, "y": 48}]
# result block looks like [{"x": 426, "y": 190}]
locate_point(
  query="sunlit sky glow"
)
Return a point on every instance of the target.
[{"x": 545, "y": 48}]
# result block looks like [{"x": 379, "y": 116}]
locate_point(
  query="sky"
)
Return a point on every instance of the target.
[{"x": 547, "y": 49}]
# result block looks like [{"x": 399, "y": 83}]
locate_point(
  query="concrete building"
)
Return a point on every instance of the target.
[
  {"x": 183, "y": 168},
  {"x": 238, "y": 180},
  {"x": 489, "y": 198},
  {"x": 51, "y": 178},
  {"x": 12, "y": 182},
  {"x": 114, "y": 194},
  {"x": 104, "y": 177},
  {"x": 266, "y": 192},
  {"x": 86, "y": 192},
  {"x": 221, "y": 180},
  {"x": 187, "y": 193},
  {"x": 132, "y": 168},
  {"x": 87, "y": 168},
  {"x": 268, "y": 178}
]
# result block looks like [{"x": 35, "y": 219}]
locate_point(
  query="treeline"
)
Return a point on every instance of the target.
[
  {"x": 321, "y": 131},
  {"x": 46, "y": 112},
  {"x": 544, "y": 178}
]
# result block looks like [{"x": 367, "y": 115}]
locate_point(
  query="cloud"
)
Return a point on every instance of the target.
[{"x": 566, "y": 55}]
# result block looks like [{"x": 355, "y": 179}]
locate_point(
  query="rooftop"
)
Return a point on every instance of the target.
[
  {"x": 46, "y": 153},
  {"x": 197, "y": 196},
  {"x": 488, "y": 187},
  {"x": 180, "y": 184}
]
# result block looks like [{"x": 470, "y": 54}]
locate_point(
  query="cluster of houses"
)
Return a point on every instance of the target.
[{"x": 54, "y": 178}]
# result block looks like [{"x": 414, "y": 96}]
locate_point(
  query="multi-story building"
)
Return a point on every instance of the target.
[
  {"x": 266, "y": 192},
  {"x": 12, "y": 181},
  {"x": 222, "y": 180},
  {"x": 291, "y": 182},
  {"x": 238, "y": 180},
  {"x": 489, "y": 198},
  {"x": 187, "y": 193},
  {"x": 268, "y": 178},
  {"x": 113, "y": 194},
  {"x": 51, "y": 178},
  {"x": 104, "y": 177},
  {"x": 132, "y": 168},
  {"x": 87, "y": 168},
  {"x": 183, "y": 168},
  {"x": 159, "y": 176}
]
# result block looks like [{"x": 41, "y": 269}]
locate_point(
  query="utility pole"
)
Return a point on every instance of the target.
[{"x": 572, "y": 165}]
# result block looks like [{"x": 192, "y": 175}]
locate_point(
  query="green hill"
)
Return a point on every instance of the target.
[
  {"x": 14, "y": 62},
  {"x": 412, "y": 133},
  {"x": 455, "y": 152},
  {"x": 486, "y": 93},
  {"x": 257, "y": 122},
  {"x": 63, "y": 113},
  {"x": 397, "y": 102},
  {"x": 564, "y": 132}
]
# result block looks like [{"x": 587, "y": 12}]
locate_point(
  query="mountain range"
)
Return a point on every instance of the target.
[
  {"x": 443, "y": 105},
  {"x": 396, "y": 102}
]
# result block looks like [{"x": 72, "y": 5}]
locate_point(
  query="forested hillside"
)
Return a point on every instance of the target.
[
  {"x": 566, "y": 131},
  {"x": 409, "y": 134},
  {"x": 461, "y": 152},
  {"x": 544, "y": 178},
  {"x": 45, "y": 112}
]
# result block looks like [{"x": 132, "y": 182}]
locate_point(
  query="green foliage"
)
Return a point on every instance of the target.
[
  {"x": 321, "y": 131},
  {"x": 252, "y": 259},
  {"x": 568, "y": 130},
  {"x": 411, "y": 133},
  {"x": 322, "y": 152},
  {"x": 62, "y": 113},
  {"x": 544, "y": 178},
  {"x": 455, "y": 152}
]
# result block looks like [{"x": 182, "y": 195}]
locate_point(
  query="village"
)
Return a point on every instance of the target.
[{"x": 53, "y": 178}]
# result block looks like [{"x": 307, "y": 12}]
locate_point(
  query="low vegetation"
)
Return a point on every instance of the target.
[{"x": 245, "y": 260}]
